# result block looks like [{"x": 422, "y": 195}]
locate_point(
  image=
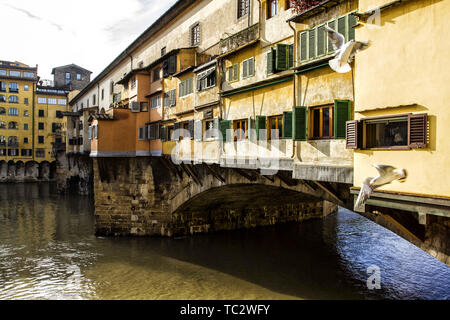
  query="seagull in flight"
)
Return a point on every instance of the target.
[
  {"x": 345, "y": 52},
  {"x": 386, "y": 175}
]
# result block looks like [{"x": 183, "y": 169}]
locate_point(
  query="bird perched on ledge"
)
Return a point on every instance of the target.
[
  {"x": 386, "y": 175},
  {"x": 345, "y": 52}
]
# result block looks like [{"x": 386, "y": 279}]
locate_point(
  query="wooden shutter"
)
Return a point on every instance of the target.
[
  {"x": 312, "y": 44},
  {"x": 321, "y": 40},
  {"x": 341, "y": 27},
  {"x": 287, "y": 125},
  {"x": 282, "y": 57},
  {"x": 299, "y": 126},
  {"x": 172, "y": 65},
  {"x": 245, "y": 69},
  {"x": 418, "y": 131},
  {"x": 332, "y": 25},
  {"x": 270, "y": 62},
  {"x": 303, "y": 46},
  {"x": 251, "y": 67},
  {"x": 342, "y": 110},
  {"x": 261, "y": 125},
  {"x": 96, "y": 132},
  {"x": 198, "y": 130},
  {"x": 352, "y": 22},
  {"x": 251, "y": 130},
  {"x": 224, "y": 126},
  {"x": 90, "y": 132},
  {"x": 291, "y": 56},
  {"x": 353, "y": 134},
  {"x": 173, "y": 97}
]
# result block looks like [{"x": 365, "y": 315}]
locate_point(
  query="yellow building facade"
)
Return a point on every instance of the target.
[
  {"x": 31, "y": 125},
  {"x": 17, "y": 87}
]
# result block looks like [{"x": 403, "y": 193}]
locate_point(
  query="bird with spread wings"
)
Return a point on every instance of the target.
[
  {"x": 386, "y": 175},
  {"x": 345, "y": 52}
]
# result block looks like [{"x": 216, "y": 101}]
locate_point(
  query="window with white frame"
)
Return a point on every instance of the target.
[
  {"x": 243, "y": 8},
  {"x": 28, "y": 75},
  {"x": 195, "y": 34},
  {"x": 52, "y": 101},
  {"x": 62, "y": 102},
  {"x": 14, "y": 73},
  {"x": 42, "y": 100}
]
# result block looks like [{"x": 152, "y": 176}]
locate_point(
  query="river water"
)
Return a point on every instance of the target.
[{"x": 48, "y": 251}]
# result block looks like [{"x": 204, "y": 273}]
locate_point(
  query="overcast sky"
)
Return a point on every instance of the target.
[{"x": 89, "y": 33}]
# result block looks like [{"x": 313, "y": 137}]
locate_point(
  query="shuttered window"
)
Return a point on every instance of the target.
[
  {"x": 261, "y": 128},
  {"x": 153, "y": 132},
  {"x": 299, "y": 123},
  {"x": 163, "y": 134},
  {"x": 418, "y": 131},
  {"x": 314, "y": 43},
  {"x": 248, "y": 68},
  {"x": 271, "y": 55},
  {"x": 225, "y": 126},
  {"x": 352, "y": 132},
  {"x": 287, "y": 125},
  {"x": 342, "y": 114},
  {"x": 388, "y": 133},
  {"x": 233, "y": 73},
  {"x": 186, "y": 87},
  {"x": 282, "y": 59}
]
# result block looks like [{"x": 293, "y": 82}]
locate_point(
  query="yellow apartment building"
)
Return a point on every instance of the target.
[{"x": 17, "y": 87}]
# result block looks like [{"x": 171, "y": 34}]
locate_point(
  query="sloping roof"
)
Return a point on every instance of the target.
[
  {"x": 159, "y": 24},
  {"x": 71, "y": 66}
]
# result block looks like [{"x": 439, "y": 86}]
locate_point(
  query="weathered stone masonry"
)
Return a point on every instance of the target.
[{"x": 153, "y": 197}]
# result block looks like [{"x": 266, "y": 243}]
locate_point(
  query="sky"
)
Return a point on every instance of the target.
[{"x": 89, "y": 33}]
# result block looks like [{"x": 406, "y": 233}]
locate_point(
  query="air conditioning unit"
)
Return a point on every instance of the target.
[{"x": 135, "y": 106}]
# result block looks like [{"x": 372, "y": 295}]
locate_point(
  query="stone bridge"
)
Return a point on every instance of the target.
[
  {"x": 154, "y": 196},
  {"x": 30, "y": 171}
]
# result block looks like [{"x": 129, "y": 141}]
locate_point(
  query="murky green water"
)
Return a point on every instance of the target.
[{"x": 48, "y": 251}]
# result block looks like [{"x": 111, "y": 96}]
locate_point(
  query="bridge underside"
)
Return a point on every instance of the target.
[{"x": 154, "y": 197}]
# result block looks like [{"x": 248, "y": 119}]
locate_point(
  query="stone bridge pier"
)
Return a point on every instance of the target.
[{"x": 155, "y": 197}]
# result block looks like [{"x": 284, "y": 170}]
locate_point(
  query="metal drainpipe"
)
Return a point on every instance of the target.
[{"x": 294, "y": 98}]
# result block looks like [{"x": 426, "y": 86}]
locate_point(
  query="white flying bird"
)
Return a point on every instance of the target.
[
  {"x": 386, "y": 175},
  {"x": 345, "y": 52}
]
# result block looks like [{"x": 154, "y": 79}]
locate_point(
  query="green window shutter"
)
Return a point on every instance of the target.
[
  {"x": 245, "y": 69},
  {"x": 251, "y": 67},
  {"x": 225, "y": 125},
  {"x": 332, "y": 25},
  {"x": 261, "y": 125},
  {"x": 341, "y": 116},
  {"x": 282, "y": 58},
  {"x": 287, "y": 125},
  {"x": 299, "y": 123},
  {"x": 321, "y": 40},
  {"x": 341, "y": 27},
  {"x": 303, "y": 46},
  {"x": 312, "y": 44},
  {"x": 291, "y": 56},
  {"x": 352, "y": 21},
  {"x": 270, "y": 64},
  {"x": 251, "y": 129},
  {"x": 236, "y": 72}
]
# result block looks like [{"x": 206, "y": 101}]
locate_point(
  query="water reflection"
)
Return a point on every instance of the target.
[{"x": 48, "y": 251}]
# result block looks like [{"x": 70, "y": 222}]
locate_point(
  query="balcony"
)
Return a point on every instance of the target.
[
  {"x": 239, "y": 39},
  {"x": 309, "y": 8}
]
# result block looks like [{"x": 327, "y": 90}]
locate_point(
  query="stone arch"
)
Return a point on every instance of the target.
[
  {"x": 20, "y": 171},
  {"x": 11, "y": 170},
  {"x": 31, "y": 171},
  {"x": 53, "y": 168},
  {"x": 3, "y": 170},
  {"x": 44, "y": 171}
]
